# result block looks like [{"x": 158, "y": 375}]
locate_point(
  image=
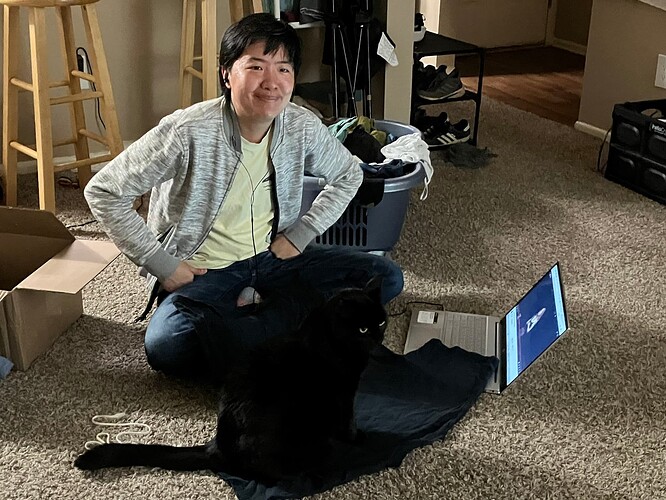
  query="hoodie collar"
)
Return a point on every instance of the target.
[{"x": 231, "y": 126}]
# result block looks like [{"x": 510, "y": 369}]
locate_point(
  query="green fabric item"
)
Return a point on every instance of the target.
[{"x": 341, "y": 128}]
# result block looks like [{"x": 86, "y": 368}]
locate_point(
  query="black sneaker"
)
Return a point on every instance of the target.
[
  {"x": 422, "y": 76},
  {"x": 419, "y": 27},
  {"x": 445, "y": 85},
  {"x": 418, "y": 21},
  {"x": 432, "y": 126},
  {"x": 451, "y": 134},
  {"x": 416, "y": 118}
]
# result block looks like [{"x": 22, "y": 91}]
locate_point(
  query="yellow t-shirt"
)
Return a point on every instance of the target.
[{"x": 247, "y": 211}]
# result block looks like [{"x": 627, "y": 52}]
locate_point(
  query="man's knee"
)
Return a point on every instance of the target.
[
  {"x": 393, "y": 280},
  {"x": 328, "y": 269},
  {"x": 171, "y": 342}
]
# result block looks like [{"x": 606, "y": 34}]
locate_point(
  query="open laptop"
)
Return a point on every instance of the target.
[{"x": 517, "y": 339}]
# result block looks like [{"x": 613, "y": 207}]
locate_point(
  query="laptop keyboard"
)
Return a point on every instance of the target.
[{"x": 466, "y": 331}]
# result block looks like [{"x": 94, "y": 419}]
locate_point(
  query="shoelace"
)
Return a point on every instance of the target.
[
  {"x": 430, "y": 131},
  {"x": 106, "y": 438}
]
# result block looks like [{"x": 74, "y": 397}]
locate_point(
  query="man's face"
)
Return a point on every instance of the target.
[{"x": 261, "y": 84}]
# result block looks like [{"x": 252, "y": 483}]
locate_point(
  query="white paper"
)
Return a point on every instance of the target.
[{"x": 386, "y": 50}]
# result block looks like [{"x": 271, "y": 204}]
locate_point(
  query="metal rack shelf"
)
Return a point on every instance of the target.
[{"x": 434, "y": 44}]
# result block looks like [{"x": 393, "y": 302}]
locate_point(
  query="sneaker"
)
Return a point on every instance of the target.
[
  {"x": 419, "y": 27},
  {"x": 419, "y": 21},
  {"x": 422, "y": 76},
  {"x": 416, "y": 118},
  {"x": 432, "y": 126},
  {"x": 451, "y": 134},
  {"x": 445, "y": 85}
]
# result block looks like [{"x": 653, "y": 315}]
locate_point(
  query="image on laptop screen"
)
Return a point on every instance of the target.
[{"x": 534, "y": 323}]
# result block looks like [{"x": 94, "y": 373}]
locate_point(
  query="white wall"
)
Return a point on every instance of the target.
[{"x": 625, "y": 39}]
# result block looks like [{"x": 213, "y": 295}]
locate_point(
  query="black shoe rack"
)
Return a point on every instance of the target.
[{"x": 434, "y": 44}]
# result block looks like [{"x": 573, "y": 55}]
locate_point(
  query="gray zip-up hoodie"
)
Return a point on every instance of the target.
[{"x": 189, "y": 161}]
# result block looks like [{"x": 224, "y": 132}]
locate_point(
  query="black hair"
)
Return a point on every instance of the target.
[{"x": 275, "y": 33}]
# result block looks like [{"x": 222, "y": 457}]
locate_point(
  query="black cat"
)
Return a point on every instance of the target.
[{"x": 281, "y": 408}]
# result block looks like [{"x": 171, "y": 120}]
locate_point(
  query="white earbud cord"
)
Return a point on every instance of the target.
[
  {"x": 138, "y": 429},
  {"x": 253, "y": 188}
]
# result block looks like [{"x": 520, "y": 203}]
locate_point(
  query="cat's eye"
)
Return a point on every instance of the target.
[
  {"x": 363, "y": 330},
  {"x": 382, "y": 324}
]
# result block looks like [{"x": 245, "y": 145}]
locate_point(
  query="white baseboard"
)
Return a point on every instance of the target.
[
  {"x": 576, "y": 48},
  {"x": 592, "y": 130}
]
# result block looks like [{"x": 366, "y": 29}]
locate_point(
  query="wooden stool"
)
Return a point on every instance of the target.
[
  {"x": 237, "y": 8},
  {"x": 208, "y": 58},
  {"x": 40, "y": 86}
]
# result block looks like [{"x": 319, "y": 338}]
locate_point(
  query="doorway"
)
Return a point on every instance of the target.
[
  {"x": 535, "y": 57},
  {"x": 546, "y": 80}
]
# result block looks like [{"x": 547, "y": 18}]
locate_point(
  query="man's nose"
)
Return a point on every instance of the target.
[{"x": 270, "y": 78}]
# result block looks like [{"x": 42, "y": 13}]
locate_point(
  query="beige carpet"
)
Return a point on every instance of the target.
[{"x": 587, "y": 421}]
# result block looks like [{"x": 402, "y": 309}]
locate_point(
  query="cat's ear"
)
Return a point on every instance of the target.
[{"x": 373, "y": 288}]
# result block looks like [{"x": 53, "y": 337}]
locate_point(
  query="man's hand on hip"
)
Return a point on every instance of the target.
[
  {"x": 183, "y": 275},
  {"x": 282, "y": 248}
]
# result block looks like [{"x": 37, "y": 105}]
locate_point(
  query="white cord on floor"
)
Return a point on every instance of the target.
[{"x": 105, "y": 437}]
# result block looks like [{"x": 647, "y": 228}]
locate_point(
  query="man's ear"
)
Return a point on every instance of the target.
[{"x": 225, "y": 77}]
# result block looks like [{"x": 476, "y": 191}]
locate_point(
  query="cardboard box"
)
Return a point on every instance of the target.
[
  {"x": 4, "y": 336},
  {"x": 43, "y": 268}
]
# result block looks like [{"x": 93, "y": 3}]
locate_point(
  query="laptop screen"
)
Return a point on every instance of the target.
[{"x": 535, "y": 323}]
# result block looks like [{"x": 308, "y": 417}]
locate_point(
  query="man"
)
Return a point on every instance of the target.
[{"x": 223, "y": 226}]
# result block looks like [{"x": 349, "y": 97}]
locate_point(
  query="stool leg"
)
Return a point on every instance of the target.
[
  {"x": 10, "y": 51},
  {"x": 103, "y": 78},
  {"x": 187, "y": 51},
  {"x": 77, "y": 114},
  {"x": 208, "y": 48},
  {"x": 236, "y": 10},
  {"x": 40, "y": 84},
  {"x": 257, "y": 6}
]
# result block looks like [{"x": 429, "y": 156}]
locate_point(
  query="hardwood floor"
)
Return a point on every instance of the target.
[{"x": 546, "y": 81}]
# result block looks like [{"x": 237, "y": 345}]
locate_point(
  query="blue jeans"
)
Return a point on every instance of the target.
[{"x": 173, "y": 344}]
